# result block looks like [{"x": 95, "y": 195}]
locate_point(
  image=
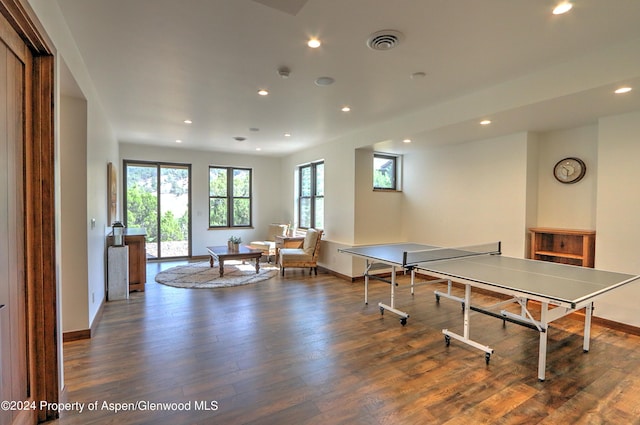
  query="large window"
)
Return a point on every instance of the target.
[
  {"x": 311, "y": 196},
  {"x": 385, "y": 171},
  {"x": 229, "y": 197},
  {"x": 157, "y": 198}
]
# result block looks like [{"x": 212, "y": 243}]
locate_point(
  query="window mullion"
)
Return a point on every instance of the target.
[{"x": 230, "y": 197}]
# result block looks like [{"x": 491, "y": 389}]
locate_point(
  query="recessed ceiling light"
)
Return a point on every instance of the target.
[
  {"x": 346, "y": 109},
  {"x": 314, "y": 43},
  {"x": 324, "y": 81},
  {"x": 406, "y": 141},
  {"x": 239, "y": 138},
  {"x": 178, "y": 141},
  {"x": 563, "y": 7},
  {"x": 287, "y": 134},
  {"x": 263, "y": 92},
  {"x": 258, "y": 149},
  {"x": 418, "y": 75},
  {"x": 254, "y": 129},
  {"x": 485, "y": 122},
  {"x": 188, "y": 122},
  {"x": 622, "y": 90}
]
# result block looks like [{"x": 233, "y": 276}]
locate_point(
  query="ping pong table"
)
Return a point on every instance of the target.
[{"x": 559, "y": 289}]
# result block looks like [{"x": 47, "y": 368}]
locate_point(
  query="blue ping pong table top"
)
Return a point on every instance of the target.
[{"x": 563, "y": 283}]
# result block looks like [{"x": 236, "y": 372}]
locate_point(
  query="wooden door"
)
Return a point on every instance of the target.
[
  {"x": 13, "y": 323},
  {"x": 28, "y": 322}
]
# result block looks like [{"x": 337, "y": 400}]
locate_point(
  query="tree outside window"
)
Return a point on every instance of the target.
[
  {"x": 229, "y": 197},
  {"x": 384, "y": 172}
]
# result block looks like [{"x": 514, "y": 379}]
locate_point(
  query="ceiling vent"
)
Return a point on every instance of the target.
[{"x": 384, "y": 40}]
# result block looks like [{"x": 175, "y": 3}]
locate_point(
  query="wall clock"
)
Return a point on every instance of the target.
[{"x": 569, "y": 170}]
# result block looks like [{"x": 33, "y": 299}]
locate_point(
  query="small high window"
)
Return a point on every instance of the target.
[{"x": 385, "y": 169}]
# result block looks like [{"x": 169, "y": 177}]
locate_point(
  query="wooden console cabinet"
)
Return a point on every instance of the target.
[
  {"x": 135, "y": 239},
  {"x": 566, "y": 246}
]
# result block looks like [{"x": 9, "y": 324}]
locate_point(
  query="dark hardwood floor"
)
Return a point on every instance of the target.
[{"x": 305, "y": 349}]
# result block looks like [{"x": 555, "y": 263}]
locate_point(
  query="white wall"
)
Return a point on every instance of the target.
[
  {"x": 267, "y": 190},
  {"x": 468, "y": 193},
  {"x": 571, "y": 206},
  {"x": 339, "y": 187},
  {"x": 378, "y": 214},
  {"x": 618, "y": 213},
  {"x": 74, "y": 271}
]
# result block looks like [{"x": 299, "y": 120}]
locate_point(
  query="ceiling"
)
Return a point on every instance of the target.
[{"x": 156, "y": 63}]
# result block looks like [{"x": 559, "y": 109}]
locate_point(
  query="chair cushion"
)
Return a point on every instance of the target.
[
  {"x": 277, "y": 230},
  {"x": 263, "y": 245},
  {"x": 310, "y": 240},
  {"x": 294, "y": 254}
]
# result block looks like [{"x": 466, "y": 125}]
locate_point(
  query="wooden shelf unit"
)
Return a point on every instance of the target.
[{"x": 568, "y": 246}]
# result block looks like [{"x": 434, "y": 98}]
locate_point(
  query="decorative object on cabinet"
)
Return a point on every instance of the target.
[
  {"x": 117, "y": 229},
  {"x": 568, "y": 246}
]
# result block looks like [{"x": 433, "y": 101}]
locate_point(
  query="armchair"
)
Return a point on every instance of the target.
[
  {"x": 268, "y": 246},
  {"x": 305, "y": 256}
]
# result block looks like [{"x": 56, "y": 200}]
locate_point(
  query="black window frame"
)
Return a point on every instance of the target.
[
  {"x": 394, "y": 173},
  {"x": 313, "y": 197},
  {"x": 230, "y": 197}
]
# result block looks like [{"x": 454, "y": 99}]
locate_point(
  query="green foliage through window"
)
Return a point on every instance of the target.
[
  {"x": 384, "y": 171},
  {"x": 157, "y": 200},
  {"x": 229, "y": 197}
]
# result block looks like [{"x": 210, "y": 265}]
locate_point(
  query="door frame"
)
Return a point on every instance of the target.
[{"x": 39, "y": 207}]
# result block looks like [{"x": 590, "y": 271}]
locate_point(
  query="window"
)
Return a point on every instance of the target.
[
  {"x": 385, "y": 171},
  {"x": 311, "y": 196},
  {"x": 229, "y": 197}
]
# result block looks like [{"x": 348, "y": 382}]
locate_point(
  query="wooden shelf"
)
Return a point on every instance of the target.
[{"x": 568, "y": 246}]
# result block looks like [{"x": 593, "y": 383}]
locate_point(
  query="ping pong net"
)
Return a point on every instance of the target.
[{"x": 410, "y": 258}]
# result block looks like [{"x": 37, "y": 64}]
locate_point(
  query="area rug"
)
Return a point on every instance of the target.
[{"x": 202, "y": 275}]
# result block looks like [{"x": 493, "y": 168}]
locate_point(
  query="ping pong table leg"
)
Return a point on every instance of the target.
[
  {"x": 366, "y": 282},
  {"x": 542, "y": 351},
  {"x": 393, "y": 286},
  {"x": 588, "y": 312},
  {"x": 466, "y": 328},
  {"x": 413, "y": 277},
  {"x": 403, "y": 316},
  {"x": 467, "y": 309}
]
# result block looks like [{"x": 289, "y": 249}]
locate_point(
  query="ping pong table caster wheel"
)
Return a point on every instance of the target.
[
  {"x": 447, "y": 340},
  {"x": 487, "y": 357},
  {"x": 437, "y": 298},
  {"x": 403, "y": 321},
  {"x": 382, "y": 311},
  {"x": 462, "y": 307}
]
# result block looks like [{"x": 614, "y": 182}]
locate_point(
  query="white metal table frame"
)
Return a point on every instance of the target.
[
  {"x": 553, "y": 307},
  {"x": 547, "y": 316},
  {"x": 373, "y": 263}
]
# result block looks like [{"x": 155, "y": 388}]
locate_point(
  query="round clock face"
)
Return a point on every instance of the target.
[{"x": 569, "y": 170}]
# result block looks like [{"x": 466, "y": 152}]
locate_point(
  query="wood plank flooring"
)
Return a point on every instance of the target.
[{"x": 305, "y": 349}]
